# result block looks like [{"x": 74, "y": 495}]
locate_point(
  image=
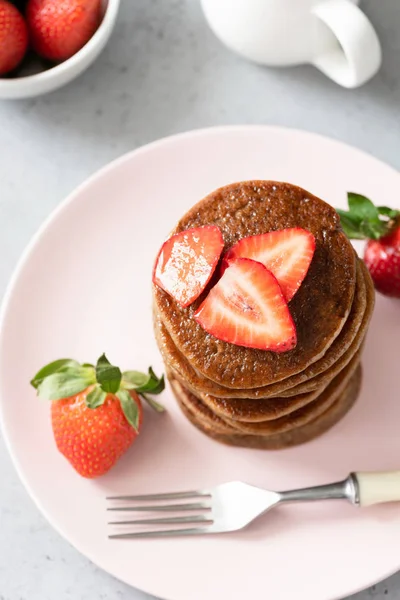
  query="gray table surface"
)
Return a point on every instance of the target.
[{"x": 163, "y": 72}]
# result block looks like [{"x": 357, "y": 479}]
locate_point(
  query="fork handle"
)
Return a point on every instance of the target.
[
  {"x": 364, "y": 489},
  {"x": 341, "y": 490},
  {"x": 378, "y": 487}
]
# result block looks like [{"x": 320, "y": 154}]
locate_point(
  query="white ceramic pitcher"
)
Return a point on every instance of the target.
[{"x": 333, "y": 35}]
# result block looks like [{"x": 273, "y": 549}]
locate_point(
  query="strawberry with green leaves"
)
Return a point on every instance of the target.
[
  {"x": 380, "y": 225},
  {"x": 96, "y": 411}
]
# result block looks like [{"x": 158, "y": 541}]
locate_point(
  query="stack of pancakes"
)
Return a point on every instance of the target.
[{"x": 259, "y": 399}]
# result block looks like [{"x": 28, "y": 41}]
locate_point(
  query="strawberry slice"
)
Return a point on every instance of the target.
[
  {"x": 286, "y": 253},
  {"x": 247, "y": 308},
  {"x": 187, "y": 261}
]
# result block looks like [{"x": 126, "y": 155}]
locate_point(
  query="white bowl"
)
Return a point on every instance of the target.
[{"x": 57, "y": 76}]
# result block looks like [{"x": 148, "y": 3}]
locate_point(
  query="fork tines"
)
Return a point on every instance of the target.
[{"x": 203, "y": 521}]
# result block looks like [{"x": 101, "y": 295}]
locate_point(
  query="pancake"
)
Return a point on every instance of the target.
[
  {"x": 200, "y": 412},
  {"x": 222, "y": 433},
  {"x": 256, "y": 412},
  {"x": 293, "y": 420},
  {"x": 314, "y": 378},
  {"x": 320, "y": 308},
  {"x": 250, "y": 410},
  {"x": 307, "y": 413}
]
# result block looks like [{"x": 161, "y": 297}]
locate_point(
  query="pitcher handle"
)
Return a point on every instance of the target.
[{"x": 358, "y": 55}]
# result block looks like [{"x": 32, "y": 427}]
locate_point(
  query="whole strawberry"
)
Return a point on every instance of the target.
[
  {"x": 13, "y": 37},
  {"x": 382, "y": 258},
  {"x": 96, "y": 412},
  {"x": 60, "y": 28},
  {"x": 380, "y": 225}
]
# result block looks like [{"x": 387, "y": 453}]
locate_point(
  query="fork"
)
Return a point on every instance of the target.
[{"x": 232, "y": 506}]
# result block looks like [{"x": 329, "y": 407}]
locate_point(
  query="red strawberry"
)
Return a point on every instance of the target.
[
  {"x": 13, "y": 37},
  {"x": 96, "y": 412},
  {"x": 381, "y": 226},
  {"x": 382, "y": 258},
  {"x": 93, "y": 440},
  {"x": 60, "y": 28},
  {"x": 247, "y": 308},
  {"x": 187, "y": 261},
  {"x": 287, "y": 253}
]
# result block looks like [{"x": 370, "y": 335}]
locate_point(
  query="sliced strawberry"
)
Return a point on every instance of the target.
[
  {"x": 247, "y": 308},
  {"x": 187, "y": 261},
  {"x": 286, "y": 253}
]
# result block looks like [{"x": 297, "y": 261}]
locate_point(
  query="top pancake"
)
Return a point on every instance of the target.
[
  {"x": 319, "y": 309},
  {"x": 316, "y": 375}
]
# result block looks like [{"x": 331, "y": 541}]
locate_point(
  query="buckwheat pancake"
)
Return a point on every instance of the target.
[
  {"x": 250, "y": 410},
  {"x": 319, "y": 309},
  {"x": 305, "y": 414},
  {"x": 199, "y": 410},
  {"x": 254, "y": 412},
  {"x": 313, "y": 379},
  {"x": 221, "y": 432},
  {"x": 294, "y": 419}
]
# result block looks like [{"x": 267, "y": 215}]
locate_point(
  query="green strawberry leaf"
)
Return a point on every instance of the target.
[
  {"x": 362, "y": 207},
  {"x": 66, "y": 377},
  {"x": 96, "y": 397},
  {"x": 142, "y": 383},
  {"x": 157, "y": 384},
  {"x": 129, "y": 408},
  {"x": 350, "y": 225},
  {"x": 68, "y": 382},
  {"x": 108, "y": 376},
  {"x": 373, "y": 230},
  {"x": 153, "y": 404},
  {"x": 391, "y": 213},
  {"x": 51, "y": 368},
  {"x": 365, "y": 220},
  {"x": 132, "y": 380}
]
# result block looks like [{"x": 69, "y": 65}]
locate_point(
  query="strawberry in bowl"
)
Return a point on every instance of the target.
[
  {"x": 60, "y": 28},
  {"x": 65, "y": 37},
  {"x": 96, "y": 411},
  {"x": 13, "y": 37}
]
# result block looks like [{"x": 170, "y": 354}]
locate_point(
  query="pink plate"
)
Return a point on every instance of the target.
[{"x": 83, "y": 287}]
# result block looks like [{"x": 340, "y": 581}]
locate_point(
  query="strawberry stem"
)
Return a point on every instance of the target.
[
  {"x": 364, "y": 220},
  {"x": 66, "y": 377}
]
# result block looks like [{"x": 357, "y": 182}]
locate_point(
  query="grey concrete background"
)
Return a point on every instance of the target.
[{"x": 162, "y": 73}]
